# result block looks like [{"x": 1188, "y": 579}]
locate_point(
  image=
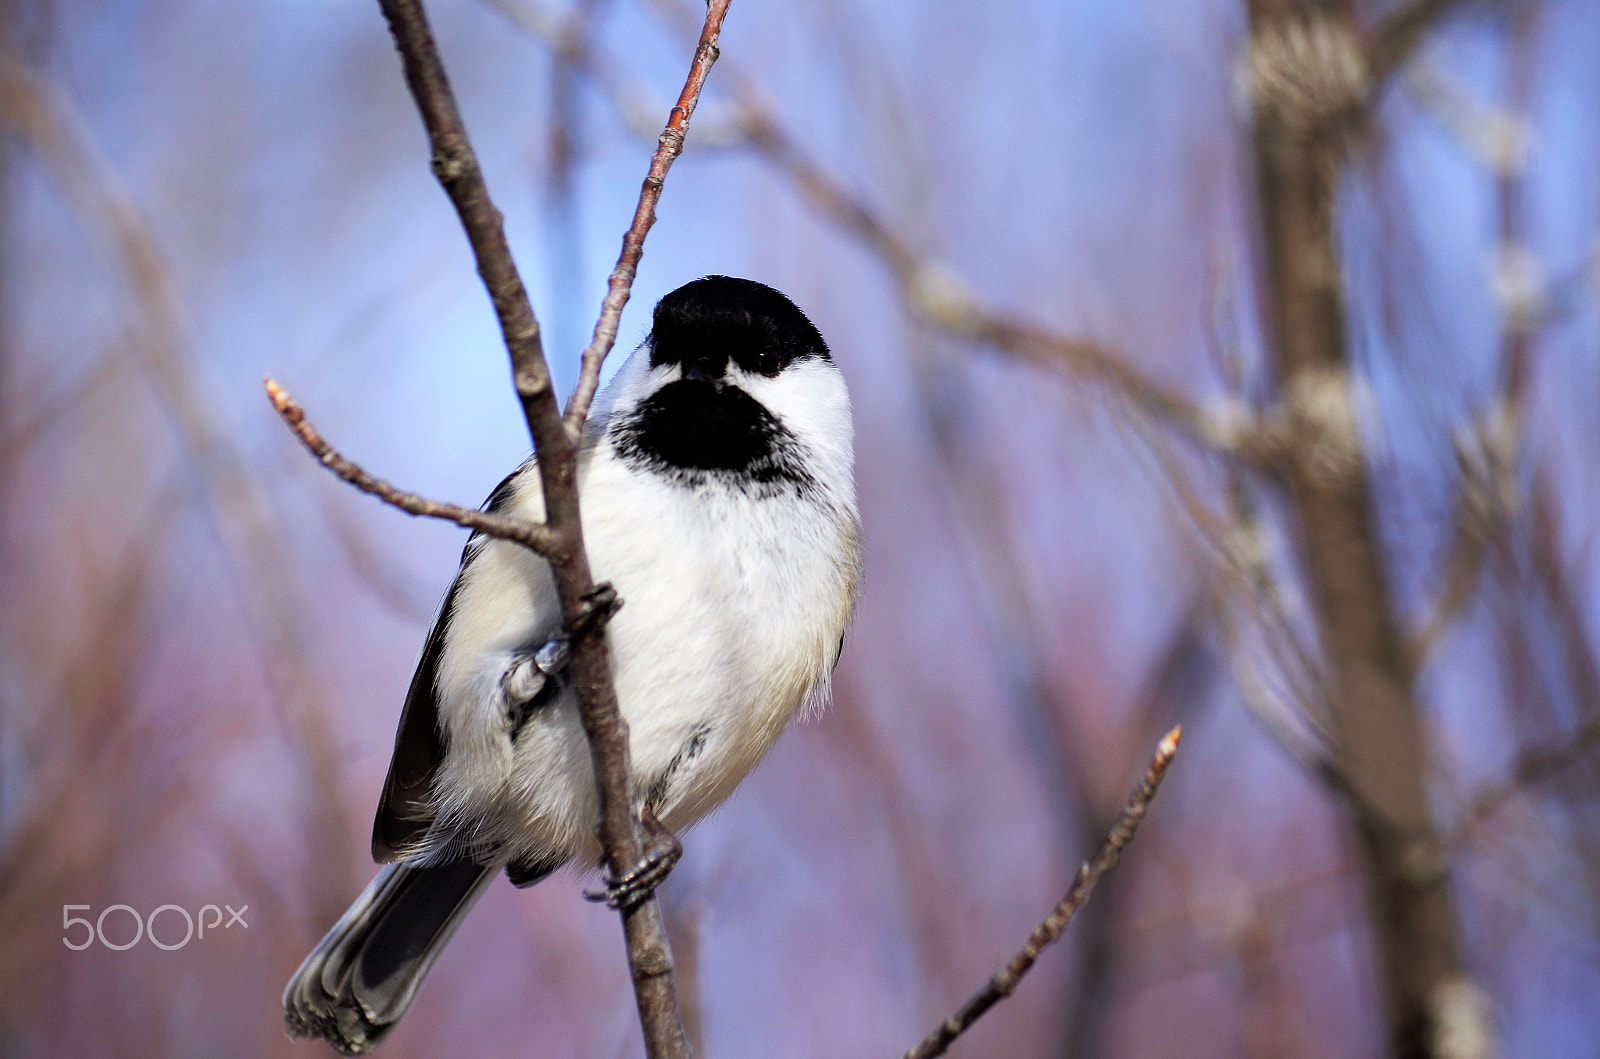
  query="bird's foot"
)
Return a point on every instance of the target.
[
  {"x": 536, "y": 673},
  {"x": 661, "y": 853},
  {"x": 598, "y": 606}
]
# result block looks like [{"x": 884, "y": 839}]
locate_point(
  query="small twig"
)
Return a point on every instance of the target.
[
  {"x": 520, "y": 531},
  {"x": 1289, "y": 728},
  {"x": 1004, "y": 982},
  {"x": 620, "y": 284},
  {"x": 1485, "y": 502}
]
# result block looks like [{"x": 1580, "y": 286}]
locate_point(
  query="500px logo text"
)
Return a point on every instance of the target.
[{"x": 144, "y": 926}]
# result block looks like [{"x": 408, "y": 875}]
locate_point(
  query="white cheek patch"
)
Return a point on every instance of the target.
[{"x": 810, "y": 400}]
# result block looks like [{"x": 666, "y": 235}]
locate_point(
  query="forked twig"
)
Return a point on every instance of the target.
[
  {"x": 1533, "y": 766},
  {"x": 1004, "y": 981}
]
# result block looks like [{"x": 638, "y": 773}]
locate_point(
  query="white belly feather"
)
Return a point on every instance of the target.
[{"x": 707, "y": 679}]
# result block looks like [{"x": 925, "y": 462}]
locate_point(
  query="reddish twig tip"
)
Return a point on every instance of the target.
[
  {"x": 1004, "y": 981},
  {"x": 279, "y": 396}
]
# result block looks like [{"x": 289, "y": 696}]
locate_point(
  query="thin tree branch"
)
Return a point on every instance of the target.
[
  {"x": 937, "y": 297},
  {"x": 555, "y": 444},
  {"x": 620, "y": 284},
  {"x": 519, "y": 531},
  {"x": 1238, "y": 552},
  {"x": 1488, "y": 457},
  {"x": 1004, "y": 981}
]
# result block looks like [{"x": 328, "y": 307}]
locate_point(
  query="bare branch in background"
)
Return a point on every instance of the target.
[
  {"x": 936, "y": 296},
  {"x": 634, "y": 103},
  {"x": 52, "y": 408},
  {"x": 239, "y": 507},
  {"x": 58, "y": 840},
  {"x": 395, "y": 587},
  {"x": 1307, "y": 81},
  {"x": 1244, "y": 580},
  {"x": 1488, "y": 454},
  {"x": 531, "y": 535},
  {"x": 1582, "y": 664},
  {"x": 1278, "y": 713},
  {"x": 1551, "y": 755},
  {"x": 456, "y": 166},
  {"x": 1306, "y": 906},
  {"x": 1004, "y": 981},
  {"x": 931, "y": 291},
  {"x": 1480, "y": 517},
  {"x": 561, "y": 220},
  {"x": 1498, "y": 137},
  {"x": 686, "y": 916}
]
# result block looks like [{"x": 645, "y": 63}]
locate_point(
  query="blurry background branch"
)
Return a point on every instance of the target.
[
  {"x": 1400, "y": 31},
  {"x": 43, "y": 119},
  {"x": 933, "y": 292},
  {"x": 1306, "y": 84}
]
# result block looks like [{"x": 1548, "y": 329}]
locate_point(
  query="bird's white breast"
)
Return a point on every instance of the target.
[{"x": 733, "y": 608}]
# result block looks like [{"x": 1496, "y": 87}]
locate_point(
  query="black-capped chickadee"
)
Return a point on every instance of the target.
[{"x": 716, "y": 478}]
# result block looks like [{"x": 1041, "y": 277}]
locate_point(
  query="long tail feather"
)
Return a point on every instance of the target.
[{"x": 360, "y": 980}]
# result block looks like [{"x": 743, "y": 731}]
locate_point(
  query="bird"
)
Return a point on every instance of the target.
[{"x": 716, "y": 484}]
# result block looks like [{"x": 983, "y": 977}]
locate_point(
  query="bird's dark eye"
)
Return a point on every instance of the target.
[{"x": 767, "y": 362}]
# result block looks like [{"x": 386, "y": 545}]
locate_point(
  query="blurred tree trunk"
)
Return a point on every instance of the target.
[{"x": 1308, "y": 76}]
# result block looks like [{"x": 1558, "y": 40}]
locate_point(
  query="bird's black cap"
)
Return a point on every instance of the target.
[{"x": 716, "y": 319}]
